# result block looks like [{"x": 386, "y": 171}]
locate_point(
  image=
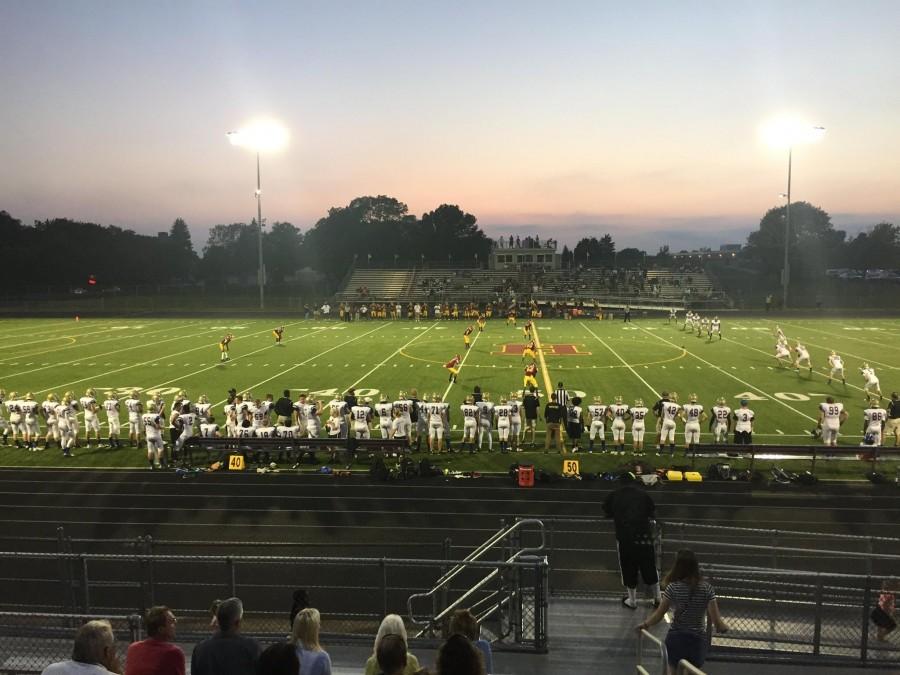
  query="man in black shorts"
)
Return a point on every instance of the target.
[
  {"x": 633, "y": 510},
  {"x": 531, "y": 403},
  {"x": 892, "y": 424}
]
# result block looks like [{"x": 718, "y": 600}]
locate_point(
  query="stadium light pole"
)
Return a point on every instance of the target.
[
  {"x": 259, "y": 136},
  {"x": 786, "y": 133}
]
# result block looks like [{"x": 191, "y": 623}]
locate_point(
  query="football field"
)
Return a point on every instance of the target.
[{"x": 606, "y": 358}]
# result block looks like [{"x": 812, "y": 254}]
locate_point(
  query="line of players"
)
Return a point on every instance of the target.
[
  {"x": 801, "y": 357},
  {"x": 693, "y": 322}
]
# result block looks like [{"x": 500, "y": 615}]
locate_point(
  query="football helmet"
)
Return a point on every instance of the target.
[
  {"x": 401, "y": 396},
  {"x": 692, "y": 398},
  {"x": 29, "y": 396},
  {"x": 598, "y": 399},
  {"x": 720, "y": 400},
  {"x": 638, "y": 403},
  {"x": 384, "y": 398},
  {"x": 134, "y": 393},
  {"x": 502, "y": 400},
  {"x": 51, "y": 397},
  {"x": 619, "y": 400},
  {"x": 470, "y": 399},
  {"x": 13, "y": 395},
  {"x": 203, "y": 398},
  {"x": 486, "y": 396},
  {"x": 90, "y": 392}
]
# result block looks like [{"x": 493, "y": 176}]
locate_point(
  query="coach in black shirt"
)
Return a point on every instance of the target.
[
  {"x": 531, "y": 403},
  {"x": 350, "y": 398},
  {"x": 284, "y": 408},
  {"x": 553, "y": 414},
  {"x": 892, "y": 426}
]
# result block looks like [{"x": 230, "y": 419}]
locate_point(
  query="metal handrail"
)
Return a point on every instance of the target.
[
  {"x": 663, "y": 656},
  {"x": 793, "y": 533},
  {"x": 472, "y": 560},
  {"x": 685, "y": 666},
  {"x": 791, "y": 549}
]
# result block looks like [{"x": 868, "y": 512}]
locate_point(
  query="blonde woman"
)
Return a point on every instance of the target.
[
  {"x": 305, "y": 637},
  {"x": 392, "y": 624}
]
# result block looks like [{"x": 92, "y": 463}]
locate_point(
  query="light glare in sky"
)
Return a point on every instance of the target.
[{"x": 260, "y": 135}]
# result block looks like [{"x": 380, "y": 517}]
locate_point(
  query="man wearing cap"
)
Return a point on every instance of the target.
[{"x": 633, "y": 510}]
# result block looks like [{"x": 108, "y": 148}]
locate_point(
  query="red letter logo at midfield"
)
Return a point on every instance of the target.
[{"x": 516, "y": 349}]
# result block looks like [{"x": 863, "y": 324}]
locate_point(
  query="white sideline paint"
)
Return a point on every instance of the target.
[{"x": 461, "y": 364}]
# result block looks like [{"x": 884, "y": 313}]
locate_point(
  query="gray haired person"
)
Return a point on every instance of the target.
[
  {"x": 93, "y": 653},
  {"x": 227, "y": 652}
]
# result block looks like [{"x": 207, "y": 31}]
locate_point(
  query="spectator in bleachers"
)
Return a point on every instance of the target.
[
  {"x": 279, "y": 659},
  {"x": 305, "y": 637},
  {"x": 93, "y": 653},
  {"x": 227, "y": 652},
  {"x": 299, "y": 600},
  {"x": 692, "y": 599},
  {"x": 463, "y": 622},
  {"x": 458, "y": 656},
  {"x": 391, "y": 627},
  {"x": 157, "y": 655},
  {"x": 391, "y": 657}
]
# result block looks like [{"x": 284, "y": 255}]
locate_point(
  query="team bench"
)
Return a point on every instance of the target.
[
  {"x": 295, "y": 450},
  {"x": 811, "y": 453}
]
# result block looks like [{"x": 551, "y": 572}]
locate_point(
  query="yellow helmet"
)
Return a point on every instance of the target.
[
  {"x": 13, "y": 395},
  {"x": 134, "y": 393},
  {"x": 470, "y": 399},
  {"x": 51, "y": 396},
  {"x": 619, "y": 400},
  {"x": 401, "y": 396},
  {"x": 692, "y": 398},
  {"x": 720, "y": 400},
  {"x": 502, "y": 400},
  {"x": 181, "y": 394},
  {"x": 29, "y": 396},
  {"x": 2, "y": 393},
  {"x": 67, "y": 397},
  {"x": 111, "y": 394},
  {"x": 151, "y": 406},
  {"x": 486, "y": 396},
  {"x": 203, "y": 399},
  {"x": 384, "y": 397},
  {"x": 598, "y": 399},
  {"x": 638, "y": 403},
  {"x": 436, "y": 397},
  {"x": 514, "y": 396},
  {"x": 89, "y": 392}
]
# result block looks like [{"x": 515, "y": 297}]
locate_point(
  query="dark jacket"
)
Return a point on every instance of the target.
[
  {"x": 632, "y": 509},
  {"x": 284, "y": 407},
  {"x": 553, "y": 413},
  {"x": 225, "y": 654}
]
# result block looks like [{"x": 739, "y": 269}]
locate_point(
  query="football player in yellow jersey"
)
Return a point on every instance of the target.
[
  {"x": 511, "y": 319},
  {"x": 481, "y": 322},
  {"x": 530, "y": 351},
  {"x": 530, "y": 379},
  {"x": 223, "y": 346},
  {"x": 467, "y": 340},
  {"x": 277, "y": 333}
]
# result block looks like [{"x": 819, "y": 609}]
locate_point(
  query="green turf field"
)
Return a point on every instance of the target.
[{"x": 591, "y": 357}]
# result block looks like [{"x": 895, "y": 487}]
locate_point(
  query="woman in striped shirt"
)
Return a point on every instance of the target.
[{"x": 691, "y": 599}]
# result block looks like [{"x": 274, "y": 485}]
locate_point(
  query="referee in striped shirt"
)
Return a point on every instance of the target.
[{"x": 562, "y": 396}]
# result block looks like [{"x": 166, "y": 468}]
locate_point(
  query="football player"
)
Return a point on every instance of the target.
[
  {"x": 597, "y": 415},
  {"x": 670, "y": 410},
  {"x": 187, "y": 420},
  {"x": 361, "y": 416},
  {"x": 111, "y": 406},
  {"x": 673, "y": 318},
  {"x": 470, "y": 415},
  {"x": 715, "y": 328},
  {"x": 435, "y": 424},
  {"x": 515, "y": 420},
  {"x": 831, "y": 416},
  {"x": 871, "y": 385},
  {"x": 153, "y": 423},
  {"x": 526, "y": 329},
  {"x": 802, "y": 357},
  {"x": 385, "y": 411},
  {"x": 15, "y": 418},
  {"x": 783, "y": 354},
  {"x": 203, "y": 408},
  {"x": 837, "y": 367},
  {"x": 67, "y": 423},
  {"x": 693, "y": 415},
  {"x": 481, "y": 321},
  {"x": 530, "y": 351},
  {"x": 453, "y": 366},
  {"x": 29, "y": 409},
  {"x": 278, "y": 333},
  {"x": 502, "y": 412},
  {"x": 135, "y": 410},
  {"x": 743, "y": 423},
  {"x": 721, "y": 420},
  {"x": 467, "y": 340},
  {"x": 638, "y": 421},
  {"x": 4, "y": 425},
  {"x": 485, "y": 421},
  {"x": 313, "y": 408},
  {"x": 575, "y": 423},
  {"x": 618, "y": 412},
  {"x": 874, "y": 418},
  {"x": 48, "y": 412},
  {"x": 224, "y": 345},
  {"x": 91, "y": 423},
  {"x": 530, "y": 379},
  {"x": 338, "y": 409},
  {"x": 400, "y": 427}
]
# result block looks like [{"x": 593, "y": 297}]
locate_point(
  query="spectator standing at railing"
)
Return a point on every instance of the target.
[
  {"x": 633, "y": 510},
  {"x": 157, "y": 655},
  {"x": 691, "y": 600},
  {"x": 94, "y": 652},
  {"x": 227, "y": 652}
]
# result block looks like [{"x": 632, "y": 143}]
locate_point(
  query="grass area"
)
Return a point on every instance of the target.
[{"x": 635, "y": 360}]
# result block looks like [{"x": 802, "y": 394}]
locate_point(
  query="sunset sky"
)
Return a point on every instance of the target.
[{"x": 563, "y": 118}]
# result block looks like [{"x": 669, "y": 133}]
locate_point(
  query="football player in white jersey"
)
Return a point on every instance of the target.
[
  {"x": 4, "y": 425},
  {"x": 15, "y": 418},
  {"x": 312, "y": 417},
  {"x": 29, "y": 409},
  {"x": 618, "y": 412},
  {"x": 360, "y": 415},
  {"x": 515, "y": 420},
  {"x": 66, "y": 423},
  {"x": 153, "y": 424},
  {"x": 831, "y": 416},
  {"x": 135, "y": 409},
  {"x": 743, "y": 423},
  {"x": 872, "y": 387},
  {"x": 48, "y": 412},
  {"x": 670, "y": 410},
  {"x": 300, "y": 410},
  {"x": 597, "y": 416},
  {"x": 801, "y": 357},
  {"x": 111, "y": 406},
  {"x": 209, "y": 428},
  {"x": 703, "y": 328},
  {"x": 688, "y": 321},
  {"x": 575, "y": 423},
  {"x": 470, "y": 423},
  {"x": 91, "y": 423},
  {"x": 485, "y": 421},
  {"x": 874, "y": 419},
  {"x": 673, "y": 316},
  {"x": 779, "y": 335},
  {"x": 502, "y": 413},
  {"x": 837, "y": 367},
  {"x": 783, "y": 354},
  {"x": 435, "y": 424},
  {"x": 385, "y": 411},
  {"x": 400, "y": 427},
  {"x": 404, "y": 406},
  {"x": 339, "y": 409},
  {"x": 715, "y": 328},
  {"x": 419, "y": 417},
  {"x": 721, "y": 420},
  {"x": 203, "y": 408},
  {"x": 638, "y": 413},
  {"x": 187, "y": 420},
  {"x": 693, "y": 415}
]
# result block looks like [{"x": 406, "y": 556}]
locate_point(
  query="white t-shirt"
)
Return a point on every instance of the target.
[
  {"x": 743, "y": 419},
  {"x": 74, "y": 668},
  {"x": 831, "y": 413}
]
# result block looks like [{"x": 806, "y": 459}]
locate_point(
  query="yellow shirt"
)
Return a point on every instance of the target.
[{"x": 412, "y": 665}]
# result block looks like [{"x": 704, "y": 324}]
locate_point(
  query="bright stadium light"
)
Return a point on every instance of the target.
[
  {"x": 784, "y": 133},
  {"x": 260, "y": 136}
]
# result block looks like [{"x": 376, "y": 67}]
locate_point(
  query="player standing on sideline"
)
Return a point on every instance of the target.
[
  {"x": 574, "y": 423},
  {"x": 15, "y": 418},
  {"x": 721, "y": 421},
  {"x": 203, "y": 408},
  {"x": 29, "y": 409},
  {"x": 111, "y": 406},
  {"x": 313, "y": 425},
  {"x": 48, "y": 411},
  {"x": 400, "y": 428},
  {"x": 530, "y": 404},
  {"x": 783, "y": 354},
  {"x": 638, "y": 417},
  {"x": 502, "y": 412},
  {"x": 135, "y": 409},
  {"x": 481, "y": 322},
  {"x": 467, "y": 340},
  {"x": 892, "y": 425},
  {"x": 278, "y": 333},
  {"x": 453, "y": 366},
  {"x": 874, "y": 419},
  {"x": 65, "y": 420},
  {"x": 435, "y": 424},
  {"x": 223, "y": 347},
  {"x": 485, "y": 421},
  {"x": 470, "y": 423},
  {"x": 837, "y": 367},
  {"x": 385, "y": 411},
  {"x": 831, "y": 416},
  {"x": 743, "y": 423},
  {"x": 871, "y": 385},
  {"x": 530, "y": 379},
  {"x": 361, "y": 417},
  {"x": 597, "y": 415},
  {"x": 91, "y": 423},
  {"x": 153, "y": 433},
  {"x": 340, "y": 410},
  {"x": 670, "y": 410},
  {"x": 515, "y": 420},
  {"x": 802, "y": 356},
  {"x": 618, "y": 412},
  {"x": 693, "y": 415},
  {"x": 715, "y": 328}
]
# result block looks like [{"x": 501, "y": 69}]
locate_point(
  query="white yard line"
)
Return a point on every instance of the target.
[
  {"x": 544, "y": 370},
  {"x": 624, "y": 362},
  {"x": 141, "y": 336},
  {"x": 153, "y": 360},
  {"x": 303, "y": 363},
  {"x": 31, "y": 327},
  {"x": 461, "y": 364},
  {"x": 17, "y": 345},
  {"x": 396, "y": 351},
  {"x": 733, "y": 377}
]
